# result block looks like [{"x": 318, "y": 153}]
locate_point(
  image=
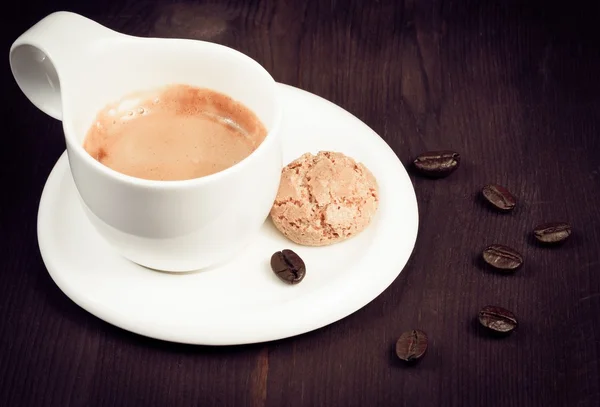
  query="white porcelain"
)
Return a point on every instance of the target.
[
  {"x": 241, "y": 301},
  {"x": 70, "y": 67}
]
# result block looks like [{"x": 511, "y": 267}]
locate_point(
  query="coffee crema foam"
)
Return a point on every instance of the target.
[{"x": 177, "y": 132}]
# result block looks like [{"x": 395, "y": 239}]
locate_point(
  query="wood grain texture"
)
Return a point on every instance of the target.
[{"x": 514, "y": 86}]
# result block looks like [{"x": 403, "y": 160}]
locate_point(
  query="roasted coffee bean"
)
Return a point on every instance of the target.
[
  {"x": 550, "y": 233},
  {"x": 502, "y": 257},
  {"x": 497, "y": 319},
  {"x": 411, "y": 345},
  {"x": 288, "y": 266},
  {"x": 437, "y": 164},
  {"x": 499, "y": 197}
]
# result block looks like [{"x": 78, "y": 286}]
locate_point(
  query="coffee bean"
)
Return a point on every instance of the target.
[
  {"x": 288, "y": 266},
  {"x": 502, "y": 257},
  {"x": 499, "y": 197},
  {"x": 411, "y": 345},
  {"x": 497, "y": 319},
  {"x": 437, "y": 164},
  {"x": 556, "y": 232}
]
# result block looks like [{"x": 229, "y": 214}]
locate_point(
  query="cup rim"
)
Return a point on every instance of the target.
[{"x": 272, "y": 133}]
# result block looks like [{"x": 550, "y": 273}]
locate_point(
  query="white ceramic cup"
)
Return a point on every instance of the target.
[{"x": 70, "y": 67}]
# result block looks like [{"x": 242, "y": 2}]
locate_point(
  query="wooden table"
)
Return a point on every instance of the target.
[{"x": 513, "y": 86}]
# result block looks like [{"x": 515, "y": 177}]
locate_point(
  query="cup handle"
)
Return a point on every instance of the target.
[{"x": 47, "y": 51}]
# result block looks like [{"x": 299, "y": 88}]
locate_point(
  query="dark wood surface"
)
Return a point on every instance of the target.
[{"x": 513, "y": 86}]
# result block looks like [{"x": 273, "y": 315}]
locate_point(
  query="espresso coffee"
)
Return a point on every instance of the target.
[{"x": 177, "y": 132}]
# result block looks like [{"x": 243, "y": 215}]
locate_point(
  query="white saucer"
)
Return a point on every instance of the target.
[{"x": 242, "y": 301}]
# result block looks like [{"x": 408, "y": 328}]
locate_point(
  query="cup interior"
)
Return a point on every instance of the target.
[{"x": 121, "y": 66}]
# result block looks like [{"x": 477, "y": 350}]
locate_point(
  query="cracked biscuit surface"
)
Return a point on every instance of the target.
[{"x": 324, "y": 199}]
